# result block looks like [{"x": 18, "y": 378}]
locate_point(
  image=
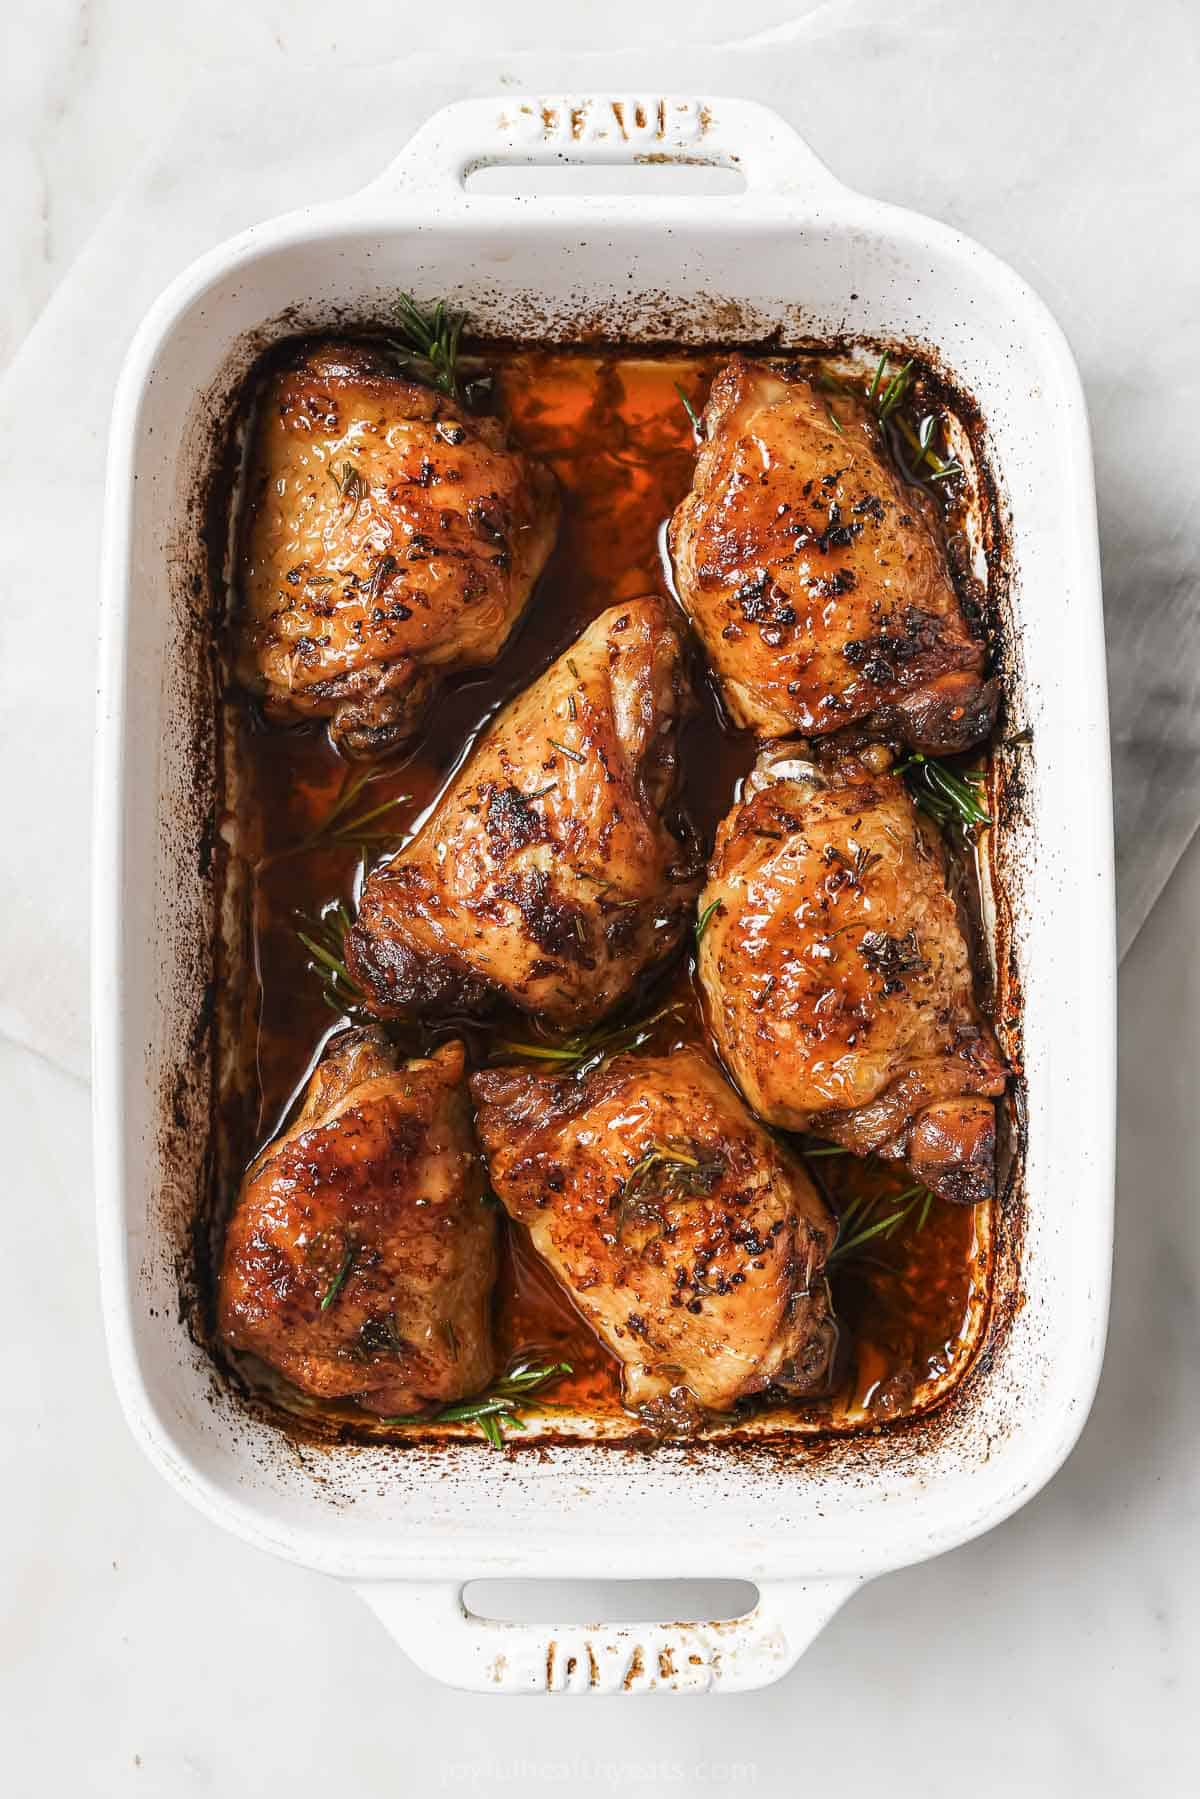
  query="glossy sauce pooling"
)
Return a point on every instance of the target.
[{"x": 618, "y": 437}]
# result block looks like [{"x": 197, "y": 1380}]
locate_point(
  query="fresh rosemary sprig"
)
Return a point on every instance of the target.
[
  {"x": 859, "y": 1210},
  {"x": 676, "y": 1169},
  {"x": 429, "y": 340},
  {"x": 495, "y": 1410},
  {"x": 826, "y": 1149},
  {"x": 945, "y": 797},
  {"x": 580, "y": 1052},
  {"x": 336, "y": 830},
  {"x": 325, "y": 940},
  {"x": 886, "y": 396}
]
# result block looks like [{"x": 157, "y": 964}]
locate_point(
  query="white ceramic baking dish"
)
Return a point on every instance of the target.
[{"x": 409, "y": 1527}]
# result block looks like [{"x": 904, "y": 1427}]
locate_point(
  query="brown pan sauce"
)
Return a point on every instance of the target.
[{"x": 617, "y": 435}]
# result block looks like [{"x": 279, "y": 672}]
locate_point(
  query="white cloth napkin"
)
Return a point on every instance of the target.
[{"x": 1074, "y": 160}]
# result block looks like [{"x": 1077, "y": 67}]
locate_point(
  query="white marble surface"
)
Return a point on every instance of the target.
[{"x": 143, "y": 1652}]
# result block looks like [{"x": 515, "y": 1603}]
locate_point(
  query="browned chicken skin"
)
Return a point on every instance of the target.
[
  {"x": 361, "y": 1255},
  {"x": 690, "y": 1240},
  {"x": 547, "y": 872},
  {"x": 393, "y": 539},
  {"x": 837, "y": 978},
  {"x": 817, "y": 581}
]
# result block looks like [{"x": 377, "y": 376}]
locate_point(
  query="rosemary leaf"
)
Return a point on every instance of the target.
[
  {"x": 945, "y": 796},
  {"x": 346, "y": 798},
  {"x": 578, "y": 1053},
  {"x": 494, "y": 1411},
  {"x": 335, "y": 1286},
  {"x": 337, "y": 831},
  {"x": 886, "y": 400},
  {"x": 895, "y": 391},
  {"x": 864, "y": 1236},
  {"x": 690, "y": 410},
  {"x": 705, "y": 919},
  {"x": 429, "y": 339},
  {"x": 675, "y": 1169},
  {"x": 324, "y": 939},
  {"x": 850, "y": 1212},
  {"x": 942, "y": 471},
  {"x": 905, "y": 1203},
  {"x": 351, "y": 830},
  {"x": 324, "y": 957},
  {"x": 348, "y": 481},
  {"x": 543, "y": 1052}
]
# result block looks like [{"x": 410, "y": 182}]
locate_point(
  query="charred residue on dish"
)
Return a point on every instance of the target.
[
  {"x": 189, "y": 870},
  {"x": 748, "y": 1440},
  {"x": 197, "y": 807}
]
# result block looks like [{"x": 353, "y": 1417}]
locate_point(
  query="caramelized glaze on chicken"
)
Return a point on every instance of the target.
[
  {"x": 691, "y": 1241},
  {"x": 392, "y": 539},
  {"x": 361, "y": 1255},
  {"x": 817, "y": 581},
  {"x": 548, "y": 872},
  {"x": 836, "y": 974}
]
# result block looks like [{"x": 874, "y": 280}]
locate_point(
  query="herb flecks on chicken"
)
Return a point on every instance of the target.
[
  {"x": 691, "y": 1240},
  {"x": 837, "y": 975},
  {"x": 551, "y": 873},
  {"x": 361, "y": 1254},
  {"x": 818, "y": 580},
  {"x": 393, "y": 538}
]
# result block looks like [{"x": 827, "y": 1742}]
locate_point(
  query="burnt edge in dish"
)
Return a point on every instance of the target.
[{"x": 196, "y": 1138}]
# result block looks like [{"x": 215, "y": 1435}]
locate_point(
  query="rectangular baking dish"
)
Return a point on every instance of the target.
[{"x": 798, "y": 252}]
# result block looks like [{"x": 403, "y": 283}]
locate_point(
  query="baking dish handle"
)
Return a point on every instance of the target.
[
  {"x": 615, "y": 130},
  {"x": 432, "y": 1624}
]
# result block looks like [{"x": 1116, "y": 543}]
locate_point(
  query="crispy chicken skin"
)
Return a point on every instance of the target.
[
  {"x": 817, "y": 581},
  {"x": 547, "y": 872},
  {"x": 392, "y": 539},
  {"x": 361, "y": 1254},
  {"x": 690, "y": 1240},
  {"x": 836, "y": 976}
]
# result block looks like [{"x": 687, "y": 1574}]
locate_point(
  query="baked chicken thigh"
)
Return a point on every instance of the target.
[
  {"x": 361, "y": 1255},
  {"x": 392, "y": 539},
  {"x": 836, "y": 976},
  {"x": 817, "y": 581},
  {"x": 690, "y": 1240},
  {"x": 548, "y": 871}
]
